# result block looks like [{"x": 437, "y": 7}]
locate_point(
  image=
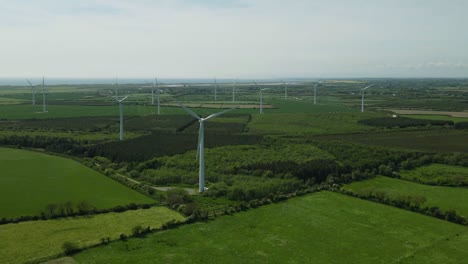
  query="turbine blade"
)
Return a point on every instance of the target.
[
  {"x": 123, "y": 99},
  {"x": 219, "y": 113},
  {"x": 367, "y": 87},
  {"x": 29, "y": 82},
  {"x": 190, "y": 112}
]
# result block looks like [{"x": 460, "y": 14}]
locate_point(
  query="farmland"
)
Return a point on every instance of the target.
[
  {"x": 306, "y": 229},
  {"x": 438, "y": 174},
  {"x": 30, "y": 181},
  {"x": 76, "y": 170},
  {"x": 446, "y": 198},
  {"x": 28, "y": 241}
]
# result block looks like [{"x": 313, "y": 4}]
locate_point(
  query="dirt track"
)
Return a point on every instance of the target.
[{"x": 425, "y": 112}]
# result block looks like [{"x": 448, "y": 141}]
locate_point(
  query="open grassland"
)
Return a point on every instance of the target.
[
  {"x": 29, "y": 241},
  {"x": 436, "y": 113},
  {"x": 438, "y": 174},
  {"x": 315, "y": 124},
  {"x": 446, "y": 198},
  {"x": 319, "y": 228},
  {"x": 434, "y": 140},
  {"x": 29, "y": 181},
  {"x": 439, "y": 117}
]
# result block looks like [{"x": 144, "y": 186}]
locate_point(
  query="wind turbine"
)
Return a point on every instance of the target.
[
  {"x": 216, "y": 89},
  {"x": 315, "y": 92},
  {"x": 116, "y": 86},
  {"x": 234, "y": 91},
  {"x": 33, "y": 93},
  {"x": 285, "y": 90},
  {"x": 261, "y": 96},
  {"x": 362, "y": 93},
  {"x": 200, "y": 146},
  {"x": 43, "y": 96},
  {"x": 120, "y": 101}
]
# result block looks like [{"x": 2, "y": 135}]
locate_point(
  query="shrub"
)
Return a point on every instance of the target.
[{"x": 70, "y": 247}]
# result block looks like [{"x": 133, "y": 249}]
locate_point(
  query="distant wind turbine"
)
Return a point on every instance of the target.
[
  {"x": 261, "y": 96},
  {"x": 285, "y": 90},
  {"x": 116, "y": 86},
  {"x": 234, "y": 91},
  {"x": 362, "y": 93},
  {"x": 120, "y": 101},
  {"x": 33, "y": 92},
  {"x": 216, "y": 89},
  {"x": 200, "y": 146},
  {"x": 315, "y": 92},
  {"x": 44, "y": 110}
]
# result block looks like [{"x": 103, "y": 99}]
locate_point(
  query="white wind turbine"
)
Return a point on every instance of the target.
[
  {"x": 315, "y": 92},
  {"x": 44, "y": 110},
  {"x": 261, "y": 96},
  {"x": 33, "y": 92},
  {"x": 120, "y": 101},
  {"x": 234, "y": 91},
  {"x": 216, "y": 89},
  {"x": 362, "y": 93},
  {"x": 158, "y": 91},
  {"x": 200, "y": 146},
  {"x": 285, "y": 90}
]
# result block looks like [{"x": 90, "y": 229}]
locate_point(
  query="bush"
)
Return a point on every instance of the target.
[{"x": 70, "y": 248}]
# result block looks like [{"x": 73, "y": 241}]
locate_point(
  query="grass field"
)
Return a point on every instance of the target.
[
  {"x": 28, "y": 241},
  {"x": 30, "y": 180},
  {"x": 434, "y": 140},
  {"x": 439, "y": 117},
  {"x": 301, "y": 123},
  {"x": 319, "y": 228},
  {"x": 446, "y": 198},
  {"x": 438, "y": 174}
]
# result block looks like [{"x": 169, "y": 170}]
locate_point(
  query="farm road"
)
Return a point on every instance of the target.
[{"x": 162, "y": 189}]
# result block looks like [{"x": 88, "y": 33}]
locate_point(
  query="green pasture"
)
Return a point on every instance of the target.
[
  {"x": 33, "y": 240},
  {"x": 446, "y": 198},
  {"x": 438, "y": 117},
  {"x": 30, "y": 180},
  {"x": 438, "y": 174},
  {"x": 432, "y": 140},
  {"x": 301, "y": 123},
  {"x": 323, "y": 227}
]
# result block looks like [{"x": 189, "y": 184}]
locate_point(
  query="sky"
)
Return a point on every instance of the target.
[{"x": 233, "y": 38}]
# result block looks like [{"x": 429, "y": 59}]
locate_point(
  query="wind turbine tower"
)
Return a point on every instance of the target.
[
  {"x": 33, "y": 93},
  {"x": 261, "y": 96},
  {"x": 44, "y": 110},
  {"x": 362, "y": 93},
  {"x": 315, "y": 92},
  {"x": 285, "y": 90},
  {"x": 216, "y": 89},
  {"x": 234, "y": 91},
  {"x": 120, "y": 101},
  {"x": 200, "y": 146}
]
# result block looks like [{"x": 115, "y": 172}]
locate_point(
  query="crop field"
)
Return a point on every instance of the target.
[
  {"x": 446, "y": 198},
  {"x": 34, "y": 240},
  {"x": 433, "y": 140},
  {"x": 440, "y": 117},
  {"x": 438, "y": 174},
  {"x": 318, "y": 228},
  {"x": 314, "y": 124},
  {"x": 460, "y": 114},
  {"x": 30, "y": 181}
]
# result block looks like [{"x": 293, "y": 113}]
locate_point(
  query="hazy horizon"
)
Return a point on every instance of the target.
[{"x": 203, "y": 39}]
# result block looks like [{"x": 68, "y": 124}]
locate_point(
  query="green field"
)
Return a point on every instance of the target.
[
  {"x": 446, "y": 198},
  {"x": 319, "y": 228},
  {"x": 28, "y": 241},
  {"x": 300, "y": 123},
  {"x": 431, "y": 140},
  {"x": 438, "y": 174},
  {"x": 438, "y": 117},
  {"x": 30, "y": 180}
]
